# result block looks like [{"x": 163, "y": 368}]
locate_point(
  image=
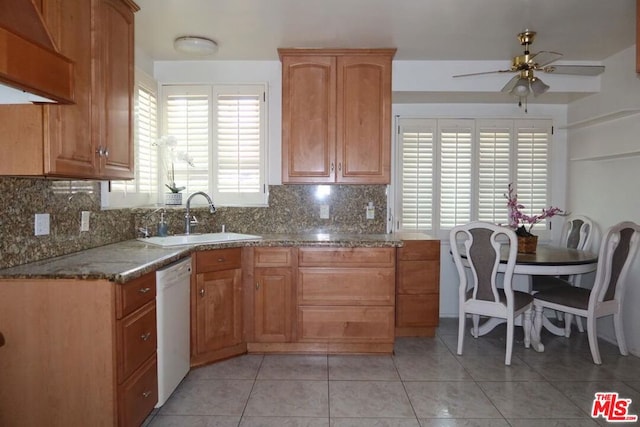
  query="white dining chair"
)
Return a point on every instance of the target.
[
  {"x": 476, "y": 247},
  {"x": 617, "y": 251},
  {"x": 577, "y": 233}
]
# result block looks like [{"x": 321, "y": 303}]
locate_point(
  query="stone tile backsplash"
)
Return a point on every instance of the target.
[{"x": 292, "y": 209}]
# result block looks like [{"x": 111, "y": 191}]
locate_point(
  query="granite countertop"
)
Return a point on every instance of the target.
[{"x": 127, "y": 260}]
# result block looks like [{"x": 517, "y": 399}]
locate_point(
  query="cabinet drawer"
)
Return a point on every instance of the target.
[
  {"x": 136, "y": 339},
  {"x": 346, "y": 324},
  {"x": 418, "y": 277},
  {"x": 218, "y": 260},
  {"x": 134, "y": 294},
  {"x": 346, "y": 286},
  {"x": 417, "y": 310},
  {"x": 273, "y": 257},
  {"x": 346, "y": 257},
  {"x": 413, "y": 250},
  {"x": 138, "y": 395}
]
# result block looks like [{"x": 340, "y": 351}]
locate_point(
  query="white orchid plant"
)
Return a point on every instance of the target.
[{"x": 170, "y": 154}]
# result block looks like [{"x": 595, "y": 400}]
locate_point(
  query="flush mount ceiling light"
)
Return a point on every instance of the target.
[{"x": 195, "y": 45}]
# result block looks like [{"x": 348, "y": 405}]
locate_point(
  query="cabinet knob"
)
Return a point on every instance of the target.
[
  {"x": 332, "y": 167},
  {"x": 146, "y": 394},
  {"x": 144, "y": 290},
  {"x": 220, "y": 259},
  {"x": 257, "y": 286},
  {"x": 202, "y": 292},
  {"x": 145, "y": 337},
  {"x": 340, "y": 167}
]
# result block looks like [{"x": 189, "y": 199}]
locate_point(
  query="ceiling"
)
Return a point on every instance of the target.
[{"x": 466, "y": 30}]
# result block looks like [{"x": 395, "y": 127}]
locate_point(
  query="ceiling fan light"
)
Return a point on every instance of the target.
[
  {"x": 521, "y": 89},
  {"x": 538, "y": 87},
  {"x": 195, "y": 45}
]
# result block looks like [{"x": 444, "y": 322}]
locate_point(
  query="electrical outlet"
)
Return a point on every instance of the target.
[
  {"x": 84, "y": 220},
  {"x": 324, "y": 211},
  {"x": 42, "y": 224},
  {"x": 370, "y": 210}
]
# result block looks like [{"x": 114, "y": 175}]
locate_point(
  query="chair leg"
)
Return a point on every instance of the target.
[
  {"x": 618, "y": 326},
  {"x": 527, "y": 327},
  {"x": 507, "y": 355},
  {"x": 461, "y": 325},
  {"x": 568, "y": 318},
  {"x": 476, "y": 323},
  {"x": 579, "y": 323},
  {"x": 537, "y": 320},
  {"x": 593, "y": 339}
]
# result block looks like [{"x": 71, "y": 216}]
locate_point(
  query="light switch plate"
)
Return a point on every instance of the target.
[
  {"x": 324, "y": 211},
  {"x": 42, "y": 224}
]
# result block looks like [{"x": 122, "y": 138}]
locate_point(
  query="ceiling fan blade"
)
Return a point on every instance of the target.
[
  {"x": 577, "y": 70},
  {"x": 543, "y": 58},
  {"x": 511, "y": 84},
  {"x": 484, "y": 72}
]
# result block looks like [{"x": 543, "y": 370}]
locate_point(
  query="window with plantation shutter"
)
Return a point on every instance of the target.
[
  {"x": 453, "y": 171},
  {"x": 143, "y": 189},
  {"x": 494, "y": 168},
  {"x": 416, "y": 168},
  {"x": 221, "y": 129},
  {"x": 455, "y": 137},
  {"x": 532, "y": 178}
]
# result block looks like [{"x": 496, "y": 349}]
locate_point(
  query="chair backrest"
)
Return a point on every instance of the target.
[
  {"x": 478, "y": 245},
  {"x": 617, "y": 251},
  {"x": 577, "y": 232}
]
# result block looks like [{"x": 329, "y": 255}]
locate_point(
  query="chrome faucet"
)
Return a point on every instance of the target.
[{"x": 188, "y": 221}]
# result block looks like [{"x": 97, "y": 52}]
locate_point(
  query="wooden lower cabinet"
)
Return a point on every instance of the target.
[
  {"x": 346, "y": 298},
  {"x": 77, "y": 352},
  {"x": 216, "y": 306},
  {"x": 418, "y": 288}
]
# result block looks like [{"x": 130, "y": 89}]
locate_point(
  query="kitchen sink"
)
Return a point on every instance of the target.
[{"x": 197, "y": 239}]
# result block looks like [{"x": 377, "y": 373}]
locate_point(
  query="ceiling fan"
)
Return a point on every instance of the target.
[{"x": 524, "y": 82}]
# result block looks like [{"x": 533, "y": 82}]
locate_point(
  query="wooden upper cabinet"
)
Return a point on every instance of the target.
[
  {"x": 92, "y": 138},
  {"x": 336, "y": 115}
]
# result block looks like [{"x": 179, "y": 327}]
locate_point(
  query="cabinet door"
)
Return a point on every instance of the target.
[
  {"x": 308, "y": 119},
  {"x": 68, "y": 149},
  {"x": 273, "y": 305},
  {"x": 113, "y": 108},
  {"x": 364, "y": 119},
  {"x": 218, "y": 310}
]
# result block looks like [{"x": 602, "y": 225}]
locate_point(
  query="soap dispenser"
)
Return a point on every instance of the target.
[{"x": 162, "y": 226}]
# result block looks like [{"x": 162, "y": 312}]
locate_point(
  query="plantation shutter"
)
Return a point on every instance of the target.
[
  {"x": 187, "y": 119},
  {"x": 416, "y": 173},
  {"x": 142, "y": 190},
  {"x": 494, "y": 172},
  {"x": 532, "y": 173},
  {"x": 455, "y": 171},
  {"x": 238, "y": 158}
]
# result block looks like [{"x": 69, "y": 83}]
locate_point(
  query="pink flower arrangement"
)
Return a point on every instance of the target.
[{"x": 519, "y": 220}]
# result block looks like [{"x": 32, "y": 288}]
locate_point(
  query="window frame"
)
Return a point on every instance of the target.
[{"x": 541, "y": 229}]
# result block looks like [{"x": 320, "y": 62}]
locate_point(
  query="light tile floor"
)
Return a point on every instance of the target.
[{"x": 423, "y": 384}]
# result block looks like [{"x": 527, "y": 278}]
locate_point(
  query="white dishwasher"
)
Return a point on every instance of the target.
[{"x": 172, "y": 305}]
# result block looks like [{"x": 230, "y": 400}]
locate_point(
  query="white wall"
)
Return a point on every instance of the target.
[{"x": 603, "y": 184}]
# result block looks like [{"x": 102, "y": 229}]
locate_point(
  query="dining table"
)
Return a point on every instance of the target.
[{"x": 548, "y": 260}]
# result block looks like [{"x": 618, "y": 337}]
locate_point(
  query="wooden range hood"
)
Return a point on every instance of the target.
[{"x": 29, "y": 60}]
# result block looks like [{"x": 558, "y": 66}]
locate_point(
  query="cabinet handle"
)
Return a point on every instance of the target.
[
  {"x": 331, "y": 166},
  {"x": 257, "y": 286},
  {"x": 340, "y": 167},
  {"x": 201, "y": 292},
  {"x": 146, "y": 394},
  {"x": 145, "y": 337},
  {"x": 144, "y": 290},
  {"x": 221, "y": 259}
]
